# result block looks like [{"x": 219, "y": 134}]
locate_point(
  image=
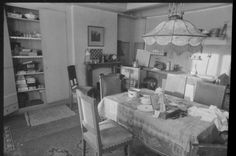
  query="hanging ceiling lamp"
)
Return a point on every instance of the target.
[{"x": 176, "y": 33}]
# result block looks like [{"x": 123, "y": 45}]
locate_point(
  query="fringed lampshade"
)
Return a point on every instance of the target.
[{"x": 176, "y": 33}]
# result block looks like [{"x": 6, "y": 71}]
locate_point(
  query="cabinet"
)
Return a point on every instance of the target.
[
  {"x": 54, "y": 45},
  {"x": 9, "y": 89},
  {"x": 27, "y": 56},
  {"x": 132, "y": 76}
]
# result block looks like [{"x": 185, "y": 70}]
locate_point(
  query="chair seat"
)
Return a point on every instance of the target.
[{"x": 111, "y": 133}]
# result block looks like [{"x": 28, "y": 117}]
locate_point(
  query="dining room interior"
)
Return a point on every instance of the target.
[{"x": 114, "y": 79}]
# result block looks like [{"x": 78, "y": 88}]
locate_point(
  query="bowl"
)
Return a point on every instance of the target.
[{"x": 133, "y": 93}]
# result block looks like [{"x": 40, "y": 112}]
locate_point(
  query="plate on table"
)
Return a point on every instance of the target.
[
  {"x": 145, "y": 100},
  {"x": 145, "y": 108}
]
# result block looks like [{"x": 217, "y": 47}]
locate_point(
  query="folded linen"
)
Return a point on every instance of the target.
[{"x": 211, "y": 114}]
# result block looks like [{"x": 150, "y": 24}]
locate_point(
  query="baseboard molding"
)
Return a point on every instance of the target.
[{"x": 41, "y": 106}]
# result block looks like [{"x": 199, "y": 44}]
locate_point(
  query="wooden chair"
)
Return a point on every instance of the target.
[
  {"x": 74, "y": 84},
  {"x": 205, "y": 149},
  {"x": 110, "y": 84},
  {"x": 104, "y": 136},
  {"x": 175, "y": 85},
  {"x": 209, "y": 94}
]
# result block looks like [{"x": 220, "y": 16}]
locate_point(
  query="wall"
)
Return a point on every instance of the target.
[
  {"x": 126, "y": 34},
  {"x": 139, "y": 29},
  {"x": 129, "y": 30},
  {"x": 82, "y": 17},
  {"x": 207, "y": 18}
]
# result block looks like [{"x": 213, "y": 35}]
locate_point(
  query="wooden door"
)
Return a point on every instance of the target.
[
  {"x": 10, "y": 95},
  {"x": 54, "y": 47},
  {"x": 123, "y": 52}
]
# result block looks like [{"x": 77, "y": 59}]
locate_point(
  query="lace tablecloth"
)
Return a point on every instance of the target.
[{"x": 169, "y": 136}]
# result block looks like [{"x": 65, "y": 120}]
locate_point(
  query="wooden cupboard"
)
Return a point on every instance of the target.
[
  {"x": 45, "y": 38},
  {"x": 54, "y": 43},
  {"x": 27, "y": 56},
  {"x": 9, "y": 88}
]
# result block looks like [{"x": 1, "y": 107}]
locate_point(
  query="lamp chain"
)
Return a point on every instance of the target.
[{"x": 176, "y": 9}]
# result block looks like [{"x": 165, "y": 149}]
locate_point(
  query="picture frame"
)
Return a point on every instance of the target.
[
  {"x": 95, "y": 36},
  {"x": 153, "y": 58}
]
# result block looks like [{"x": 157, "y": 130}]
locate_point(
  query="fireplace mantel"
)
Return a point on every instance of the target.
[{"x": 92, "y": 66}]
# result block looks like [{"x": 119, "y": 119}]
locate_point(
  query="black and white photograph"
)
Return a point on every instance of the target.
[{"x": 117, "y": 78}]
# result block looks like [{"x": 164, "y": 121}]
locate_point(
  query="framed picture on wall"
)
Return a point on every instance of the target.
[{"x": 95, "y": 36}]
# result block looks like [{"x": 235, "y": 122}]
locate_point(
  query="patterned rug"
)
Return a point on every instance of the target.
[
  {"x": 59, "y": 152},
  {"x": 42, "y": 116},
  {"x": 8, "y": 141},
  {"x": 137, "y": 150},
  {"x": 56, "y": 151}
]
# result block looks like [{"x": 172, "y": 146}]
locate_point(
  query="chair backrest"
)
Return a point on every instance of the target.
[
  {"x": 209, "y": 94},
  {"x": 175, "y": 85},
  {"x": 110, "y": 84},
  {"x": 88, "y": 116},
  {"x": 72, "y": 76}
]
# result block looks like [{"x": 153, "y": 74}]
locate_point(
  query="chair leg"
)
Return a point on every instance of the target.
[
  {"x": 129, "y": 150},
  {"x": 84, "y": 147},
  {"x": 126, "y": 150},
  {"x": 71, "y": 100},
  {"x": 98, "y": 154}
]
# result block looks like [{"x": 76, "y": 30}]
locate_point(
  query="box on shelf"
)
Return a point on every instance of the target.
[
  {"x": 23, "y": 89},
  {"x": 14, "y": 15},
  {"x": 30, "y": 79},
  {"x": 32, "y": 87},
  {"x": 32, "y": 53},
  {"x": 22, "y": 85},
  {"x": 31, "y": 71},
  {"x": 21, "y": 82},
  {"x": 23, "y": 53}
]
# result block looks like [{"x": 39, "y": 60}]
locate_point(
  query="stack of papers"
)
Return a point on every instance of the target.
[{"x": 211, "y": 114}]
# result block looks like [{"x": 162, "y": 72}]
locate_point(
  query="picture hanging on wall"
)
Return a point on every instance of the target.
[{"x": 95, "y": 36}]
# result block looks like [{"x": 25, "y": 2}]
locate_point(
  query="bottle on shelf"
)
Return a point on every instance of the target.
[{"x": 87, "y": 56}]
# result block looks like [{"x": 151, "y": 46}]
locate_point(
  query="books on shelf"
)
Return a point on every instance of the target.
[{"x": 22, "y": 89}]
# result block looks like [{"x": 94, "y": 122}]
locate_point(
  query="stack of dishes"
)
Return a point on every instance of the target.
[
  {"x": 145, "y": 99},
  {"x": 133, "y": 93}
]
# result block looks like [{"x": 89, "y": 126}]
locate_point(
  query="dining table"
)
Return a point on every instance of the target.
[{"x": 171, "y": 136}]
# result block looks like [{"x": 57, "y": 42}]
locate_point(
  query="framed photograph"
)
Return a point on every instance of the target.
[{"x": 95, "y": 36}]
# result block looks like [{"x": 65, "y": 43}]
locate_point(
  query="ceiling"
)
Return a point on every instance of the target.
[
  {"x": 120, "y": 7},
  {"x": 135, "y": 9}
]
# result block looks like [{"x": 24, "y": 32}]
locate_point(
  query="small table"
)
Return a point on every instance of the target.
[{"x": 170, "y": 137}]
